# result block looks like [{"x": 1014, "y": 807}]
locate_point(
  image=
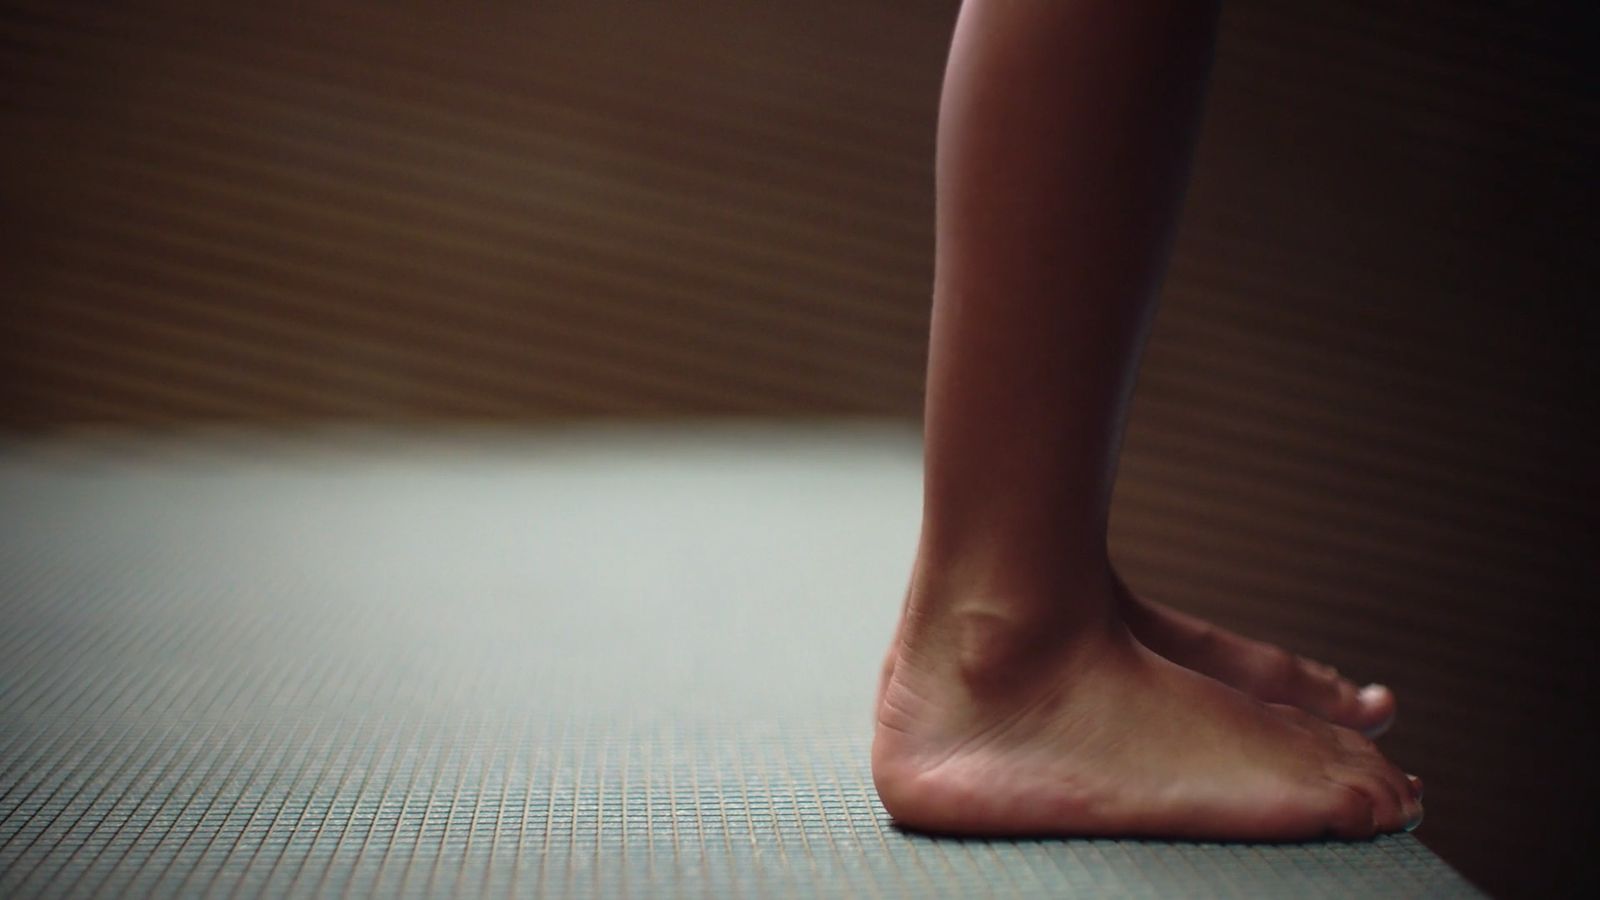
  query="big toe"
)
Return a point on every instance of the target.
[
  {"x": 1374, "y": 710},
  {"x": 1321, "y": 690}
]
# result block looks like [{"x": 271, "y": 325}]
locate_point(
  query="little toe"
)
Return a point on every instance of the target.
[
  {"x": 1350, "y": 814},
  {"x": 1389, "y": 807},
  {"x": 1392, "y": 803},
  {"x": 1396, "y": 796}
]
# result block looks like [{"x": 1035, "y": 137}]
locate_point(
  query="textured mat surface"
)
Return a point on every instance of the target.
[{"x": 614, "y": 662}]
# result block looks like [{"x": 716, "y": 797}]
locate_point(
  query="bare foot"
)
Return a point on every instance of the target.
[
  {"x": 989, "y": 728},
  {"x": 1264, "y": 671}
]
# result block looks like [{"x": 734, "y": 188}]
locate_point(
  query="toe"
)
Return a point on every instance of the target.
[
  {"x": 1414, "y": 822},
  {"x": 1412, "y": 791},
  {"x": 1349, "y": 812},
  {"x": 1321, "y": 690},
  {"x": 1325, "y": 693},
  {"x": 1396, "y": 796},
  {"x": 1375, "y": 710},
  {"x": 1389, "y": 804}
]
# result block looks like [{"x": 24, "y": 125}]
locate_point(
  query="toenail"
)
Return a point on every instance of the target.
[
  {"x": 1371, "y": 694},
  {"x": 1414, "y": 822},
  {"x": 1416, "y": 786}
]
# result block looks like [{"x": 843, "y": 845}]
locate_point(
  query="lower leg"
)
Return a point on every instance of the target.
[
  {"x": 1019, "y": 701},
  {"x": 1061, "y": 159}
]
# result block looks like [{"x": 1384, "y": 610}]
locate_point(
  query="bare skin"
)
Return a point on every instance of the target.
[
  {"x": 1028, "y": 691},
  {"x": 1265, "y": 671},
  {"x": 1096, "y": 735}
]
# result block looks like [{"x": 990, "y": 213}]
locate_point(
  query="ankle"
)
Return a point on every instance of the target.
[{"x": 989, "y": 632}]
